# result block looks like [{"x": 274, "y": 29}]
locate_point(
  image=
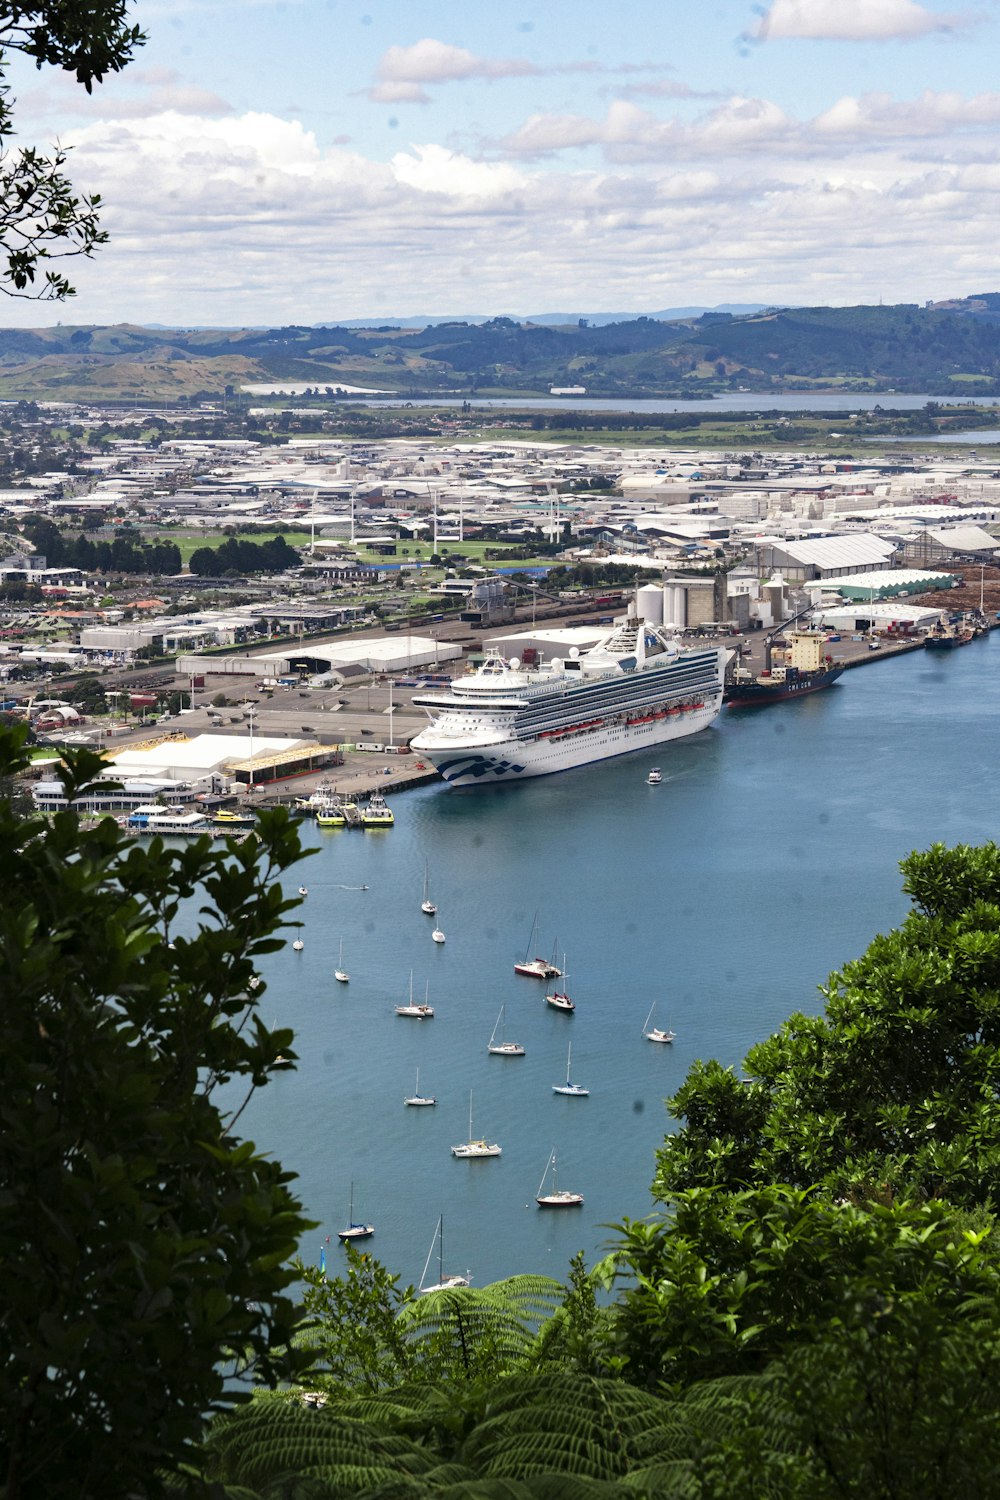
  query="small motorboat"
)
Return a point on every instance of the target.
[{"x": 655, "y": 776}]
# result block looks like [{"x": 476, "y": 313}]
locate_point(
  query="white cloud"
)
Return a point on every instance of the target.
[
  {"x": 434, "y": 169},
  {"x": 431, "y": 61},
  {"x": 398, "y": 92},
  {"x": 249, "y": 219},
  {"x": 851, "y": 20},
  {"x": 878, "y": 116},
  {"x": 402, "y": 72}
]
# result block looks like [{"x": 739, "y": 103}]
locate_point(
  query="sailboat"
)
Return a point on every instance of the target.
[
  {"x": 437, "y": 936},
  {"x": 427, "y": 905},
  {"x": 340, "y": 973},
  {"x": 423, "y": 1012},
  {"x": 656, "y": 1033},
  {"x": 558, "y": 999},
  {"x": 536, "y": 968},
  {"x": 298, "y": 945},
  {"x": 474, "y": 1148},
  {"x": 576, "y": 1090},
  {"x": 502, "y": 1048},
  {"x": 417, "y": 1097},
  {"x": 555, "y": 1198},
  {"x": 444, "y": 1283},
  {"x": 355, "y": 1231}
]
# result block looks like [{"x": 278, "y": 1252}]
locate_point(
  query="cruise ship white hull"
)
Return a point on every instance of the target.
[{"x": 511, "y": 759}]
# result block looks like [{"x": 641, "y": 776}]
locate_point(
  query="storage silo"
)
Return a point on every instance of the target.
[
  {"x": 675, "y": 605},
  {"x": 773, "y": 592},
  {"x": 649, "y": 603}
]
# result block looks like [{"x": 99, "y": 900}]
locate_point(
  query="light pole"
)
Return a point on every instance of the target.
[{"x": 251, "y": 710}]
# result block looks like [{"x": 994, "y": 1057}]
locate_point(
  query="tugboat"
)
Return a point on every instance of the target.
[
  {"x": 807, "y": 668},
  {"x": 377, "y": 812}
]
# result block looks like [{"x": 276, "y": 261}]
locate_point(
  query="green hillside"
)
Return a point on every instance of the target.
[{"x": 951, "y": 346}]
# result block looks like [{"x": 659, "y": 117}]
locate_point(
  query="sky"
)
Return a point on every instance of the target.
[{"x": 272, "y": 162}]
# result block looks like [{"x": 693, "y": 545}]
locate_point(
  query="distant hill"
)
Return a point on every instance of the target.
[
  {"x": 596, "y": 320},
  {"x": 947, "y": 348}
]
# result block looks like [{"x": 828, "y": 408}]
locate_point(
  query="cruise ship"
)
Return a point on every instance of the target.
[{"x": 635, "y": 688}]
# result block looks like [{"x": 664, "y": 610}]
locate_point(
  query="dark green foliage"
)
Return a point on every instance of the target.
[
  {"x": 125, "y": 554},
  {"x": 238, "y": 556},
  {"x": 363, "y": 1332},
  {"x": 731, "y": 1281},
  {"x": 894, "y": 1092},
  {"x": 140, "y": 1237},
  {"x": 41, "y": 219}
]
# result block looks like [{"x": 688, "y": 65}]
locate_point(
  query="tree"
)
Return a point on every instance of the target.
[
  {"x": 893, "y": 1093},
  {"x": 41, "y": 219},
  {"x": 146, "y": 1248}
]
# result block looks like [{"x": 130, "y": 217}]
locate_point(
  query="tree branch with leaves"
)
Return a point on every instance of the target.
[{"x": 42, "y": 218}]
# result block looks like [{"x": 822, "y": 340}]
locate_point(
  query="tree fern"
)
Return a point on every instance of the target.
[
  {"x": 269, "y": 1439},
  {"x": 478, "y": 1332}
]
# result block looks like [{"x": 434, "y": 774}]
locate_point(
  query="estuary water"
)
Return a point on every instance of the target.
[{"x": 766, "y": 858}]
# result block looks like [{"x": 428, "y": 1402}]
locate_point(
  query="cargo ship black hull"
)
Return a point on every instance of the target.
[{"x": 793, "y": 685}]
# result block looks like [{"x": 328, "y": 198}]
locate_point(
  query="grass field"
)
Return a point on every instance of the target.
[{"x": 190, "y": 541}]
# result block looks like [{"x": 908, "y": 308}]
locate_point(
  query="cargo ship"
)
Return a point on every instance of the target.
[
  {"x": 807, "y": 668},
  {"x": 635, "y": 688}
]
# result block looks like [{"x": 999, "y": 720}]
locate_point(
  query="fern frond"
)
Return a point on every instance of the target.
[
  {"x": 260, "y": 1443},
  {"x": 564, "y": 1422}
]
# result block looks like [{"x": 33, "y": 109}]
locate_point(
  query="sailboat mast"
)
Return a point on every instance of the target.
[{"x": 531, "y": 934}]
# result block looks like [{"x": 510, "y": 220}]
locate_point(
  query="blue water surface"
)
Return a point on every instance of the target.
[{"x": 766, "y": 858}]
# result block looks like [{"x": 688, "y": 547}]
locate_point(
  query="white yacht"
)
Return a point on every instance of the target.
[
  {"x": 444, "y": 1283},
  {"x": 656, "y": 1033},
  {"x": 422, "y": 1012},
  {"x": 574, "y": 1090},
  {"x": 417, "y": 1099},
  {"x": 501, "y": 1048},
  {"x": 474, "y": 1148},
  {"x": 637, "y": 687}
]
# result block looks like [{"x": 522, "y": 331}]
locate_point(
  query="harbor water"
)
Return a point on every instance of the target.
[{"x": 766, "y": 858}]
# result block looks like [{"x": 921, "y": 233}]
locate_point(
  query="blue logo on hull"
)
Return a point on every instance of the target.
[{"x": 476, "y": 766}]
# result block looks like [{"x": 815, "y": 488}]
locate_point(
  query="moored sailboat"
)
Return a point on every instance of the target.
[
  {"x": 422, "y": 1012},
  {"x": 501, "y": 1048},
  {"x": 355, "y": 1231},
  {"x": 444, "y": 1283},
  {"x": 474, "y": 1148},
  {"x": 556, "y": 1197},
  {"x": 559, "y": 999},
  {"x": 536, "y": 968},
  {"x": 340, "y": 974},
  {"x": 656, "y": 1033},
  {"x": 417, "y": 1098},
  {"x": 427, "y": 905},
  {"x": 574, "y": 1090}
]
